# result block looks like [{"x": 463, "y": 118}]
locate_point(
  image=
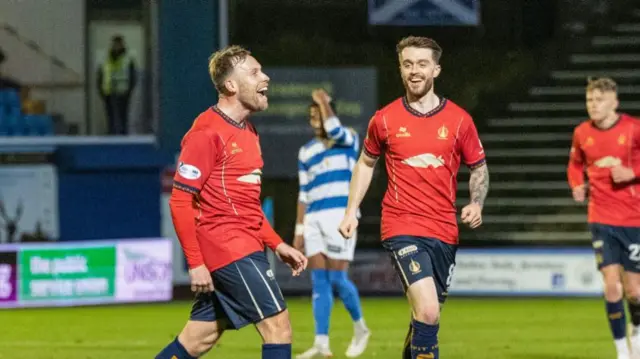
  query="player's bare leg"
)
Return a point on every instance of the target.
[
  {"x": 322, "y": 301},
  {"x": 196, "y": 339},
  {"x": 423, "y": 298},
  {"x": 632, "y": 294},
  {"x": 613, "y": 295},
  {"x": 276, "y": 336},
  {"x": 351, "y": 299}
]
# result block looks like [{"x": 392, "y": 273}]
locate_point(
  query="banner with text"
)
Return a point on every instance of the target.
[
  {"x": 481, "y": 272},
  {"x": 284, "y": 126},
  {"x": 92, "y": 272}
]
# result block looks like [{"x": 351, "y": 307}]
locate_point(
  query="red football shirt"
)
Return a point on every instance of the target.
[
  {"x": 423, "y": 153},
  {"x": 597, "y": 151},
  {"x": 221, "y": 163}
]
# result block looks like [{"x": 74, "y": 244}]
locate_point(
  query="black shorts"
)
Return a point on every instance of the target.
[
  {"x": 616, "y": 245},
  {"x": 246, "y": 292},
  {"x": 416, "y": 258}
]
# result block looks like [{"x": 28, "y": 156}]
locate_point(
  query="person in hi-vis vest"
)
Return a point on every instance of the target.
[{"x": 116, "y": 80}]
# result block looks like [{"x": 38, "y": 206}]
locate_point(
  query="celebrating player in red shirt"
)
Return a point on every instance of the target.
[
  {"x": 424, "y": 138},
  {"x": 608, "y": 146},
  {"x": 216, "y": 210}
]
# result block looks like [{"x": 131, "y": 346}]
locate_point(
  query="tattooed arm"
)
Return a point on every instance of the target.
[
  {"x": 479, "y": 184},
  {"x": 478, "y": 188}
]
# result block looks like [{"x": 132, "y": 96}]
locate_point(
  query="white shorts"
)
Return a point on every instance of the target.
[{"x": 321, "y": 235}]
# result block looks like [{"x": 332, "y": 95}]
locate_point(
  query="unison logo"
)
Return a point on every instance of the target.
[{"x": 143, "y": 267}]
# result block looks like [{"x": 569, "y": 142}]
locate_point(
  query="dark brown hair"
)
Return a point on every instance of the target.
[{"x": 422, "y": 43}]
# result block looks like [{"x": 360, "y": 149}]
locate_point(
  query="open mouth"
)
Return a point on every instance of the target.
[{"x": 263, "y": 91}]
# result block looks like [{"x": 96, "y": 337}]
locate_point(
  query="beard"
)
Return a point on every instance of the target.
[
  {"x": 418, "y": 90},
  {"x": 252, "y": 100}
]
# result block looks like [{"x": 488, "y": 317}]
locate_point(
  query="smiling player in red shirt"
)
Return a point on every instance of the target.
[
  {"x": 216, "y": 210},
  {"x": 608, "y": 147},
  {"x": 424, "y": 138}
]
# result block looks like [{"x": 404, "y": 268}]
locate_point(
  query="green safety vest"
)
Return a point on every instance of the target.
[{"x": 115, "y": 76}]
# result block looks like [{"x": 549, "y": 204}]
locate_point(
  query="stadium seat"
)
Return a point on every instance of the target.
[
  {"x": 10, "y": 98},
  {"x": 38, "y": 125}
]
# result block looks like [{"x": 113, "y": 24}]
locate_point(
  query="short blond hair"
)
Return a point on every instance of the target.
[
  {"x": 603, "y": 84},
  {"x": 222, "y": 63},
  {"x": 421, "y": 43}
]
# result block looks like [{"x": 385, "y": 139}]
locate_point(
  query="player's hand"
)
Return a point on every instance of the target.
[
  {"x": 472, "y": 215},
  {"x": 579, "y": 193},
  {"x": 292, "y": 257},
  {"x": 298, "y": 242},
  {"x": 621, "y": 174},
  {"x": 348, "y": 226},
  {"x": 320, "y": 96},
  {"x": 201, "y": 281}
]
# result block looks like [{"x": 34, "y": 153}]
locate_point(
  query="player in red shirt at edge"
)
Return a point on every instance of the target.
[
  {"x": 607, "y": 146},
  {"x": 424, "y": 138},
  {"x": 216, "y": 210}
]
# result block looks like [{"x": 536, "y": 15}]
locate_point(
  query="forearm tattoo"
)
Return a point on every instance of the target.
[{"x": 479, "y": 184}]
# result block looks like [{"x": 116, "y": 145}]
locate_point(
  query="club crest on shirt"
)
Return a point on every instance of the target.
[
  {"x": 443, "y": 133},
  {"x": 622, "y": 139},
  {"x": 425, "y": 160},
  {"x": 609, "y": 161},
  {"x": 188, "y": 171}
]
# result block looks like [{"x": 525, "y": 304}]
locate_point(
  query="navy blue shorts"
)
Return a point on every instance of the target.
[
  {"x": 420, "y": 257},
  {"x": 616, "y": 245},
  {"x": 246, "y": 292}
]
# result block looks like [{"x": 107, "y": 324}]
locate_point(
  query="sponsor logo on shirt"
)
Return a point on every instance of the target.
[
  {"x": 609, "y": 161},
  {"x": 253, "y": 177},
  {"x": 188, "y": 171},
  {"x": 425, "y": 160}
]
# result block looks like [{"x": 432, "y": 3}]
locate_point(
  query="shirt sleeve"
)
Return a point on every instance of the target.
[
  {"x": 575, "y": 168},
  {"x": 470, "y": 145},
  {"x": 184, "y": 222},
  {"x": 375, "y": 139},
  {"x": 269, "y": 235},
  {"x": 339, "y": 133},
  {"x": 635, "y": 157},
  {"x": 194, "y": 166},
  {"x": 195, "y": 162}
]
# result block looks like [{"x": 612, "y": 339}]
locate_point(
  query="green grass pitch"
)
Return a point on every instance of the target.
[{"x": 470, "y": 328}]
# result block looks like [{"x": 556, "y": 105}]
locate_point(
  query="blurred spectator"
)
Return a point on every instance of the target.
[
  {"x": 7, "y": 83},
  {"x": 116, "y": 81}
]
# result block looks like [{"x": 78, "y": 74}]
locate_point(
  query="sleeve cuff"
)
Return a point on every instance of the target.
[
  {"x": 185, "y": 188},
  {"x": 368, "y": 153},
  {"x": 331, "y": 124},
  {"x": 477, "y": 163}
]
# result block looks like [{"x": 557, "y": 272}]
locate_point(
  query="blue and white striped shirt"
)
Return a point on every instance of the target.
[{"x": 324, "y": 171}]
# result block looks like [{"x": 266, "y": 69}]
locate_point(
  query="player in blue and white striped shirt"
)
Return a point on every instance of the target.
[{"x": 325, "y": 165}]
